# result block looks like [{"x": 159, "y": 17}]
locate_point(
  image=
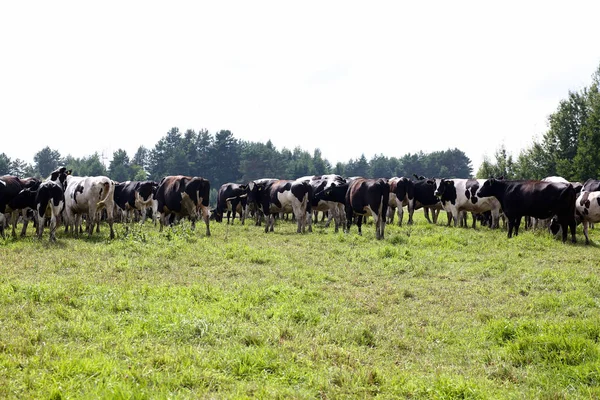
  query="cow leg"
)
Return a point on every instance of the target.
[
  {"x": 25, "y": 223},
  {"x": 511, "y": 225},
  {"x": 359, "y": 221},
  {"x": 573, "y": 227},
  {"x": 400, "y": 215},
  {"x": 41, "y": 223},
  {"x": 517, "y": 224},
  {"x": 426, "y": 213},
  {"x": 585, "y": 231},
  {"x": 436, "y": 215},
  {"x": 206, "y": 217},
  {"x": 474, "y": 220}
]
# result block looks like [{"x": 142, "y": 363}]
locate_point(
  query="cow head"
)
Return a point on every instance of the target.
[
  {"x": 488, "y": 188},
  {"x": 442, "y": 186},
  {"x": 59, "y": 176}
]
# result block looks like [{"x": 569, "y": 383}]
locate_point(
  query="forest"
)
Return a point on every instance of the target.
[{"x": 569, "y": 148}]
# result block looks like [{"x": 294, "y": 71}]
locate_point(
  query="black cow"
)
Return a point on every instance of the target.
[
  {"x": 24, "y": 201},
  {"x": 536, "y": 199},
  {"x": 134, "y": 195},
  {"x": 278, "y": 196},
  {"x": 424, "y": 197},
  {"x": 366, "y": 196},
  {"x": 232, "y": 197},
  {"x": 183, "y": 196},
  {"x": 10, "y": 186}
]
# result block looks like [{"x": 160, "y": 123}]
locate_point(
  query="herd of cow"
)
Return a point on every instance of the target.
[{"x": 67, "y": 198}]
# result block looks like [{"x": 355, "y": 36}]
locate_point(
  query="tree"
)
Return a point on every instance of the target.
[
  {"x": 586, "y": 163},
  {"x": 119, "y": 168},
  {"x": 502, "y": 166},
  {"x": 5, "y": 164},
  {"x": 46, "y": 161},
  {"x": 20, "y": 168}
]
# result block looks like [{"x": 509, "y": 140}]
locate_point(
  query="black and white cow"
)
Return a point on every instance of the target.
[
  {"x": 253, "y": 208},
  {"x": 534, "y": 198},
  {"x": 587, "y": 207},
  {"x": 459, "y": 196},
  {"x": 286, "y": 196},
  {"x": 334, "y": 209},
  {"x": 231, "y": 198},
  {"x": 402, "y": 193},
  {"x": 368, "y": 196},
  {"x": 424, "y": 197},
  {"x": 135, "y": 195},
  {"x": 50, "y": 201},
  {"x": 89, "y": 195},
  {"x": 183, "y": 196}
]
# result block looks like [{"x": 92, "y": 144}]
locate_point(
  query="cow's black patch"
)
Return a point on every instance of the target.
[
  {"x": 586, "y": 211},
  {"x": 587, "y": 204},
  {"x": 467, "y": 194}
]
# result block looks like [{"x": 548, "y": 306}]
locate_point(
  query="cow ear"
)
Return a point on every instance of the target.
[
  {"x": 243, "y": 187},
  {"x": 69, "y": 171},
  {"x": 430, "y": 182},
  {"x": 450, "y": 183}
]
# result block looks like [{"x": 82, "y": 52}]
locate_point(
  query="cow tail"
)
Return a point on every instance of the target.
[{"x": 106, "y": 192}]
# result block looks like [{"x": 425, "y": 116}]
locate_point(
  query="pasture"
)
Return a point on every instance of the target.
[{"x": 429, "y": 312}]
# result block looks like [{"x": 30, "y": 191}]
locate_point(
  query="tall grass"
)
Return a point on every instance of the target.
[{"x": 429, "y": 312}]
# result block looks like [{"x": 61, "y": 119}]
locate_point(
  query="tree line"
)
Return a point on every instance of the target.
[
  {"x": 222, "y": 158},
  {"x": 569, "y": 148}
]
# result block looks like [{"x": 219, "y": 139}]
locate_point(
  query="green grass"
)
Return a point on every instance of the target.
[{"x": 429, "y": 312}]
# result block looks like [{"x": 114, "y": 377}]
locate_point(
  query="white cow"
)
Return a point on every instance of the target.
[
  {"x": 587, "y": 208},
  {"x": 460, "y": 195},
  {"x": 89, "y": 195}
]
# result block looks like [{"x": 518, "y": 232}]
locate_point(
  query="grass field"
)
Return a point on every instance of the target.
[{"x": 429, "y": 312}]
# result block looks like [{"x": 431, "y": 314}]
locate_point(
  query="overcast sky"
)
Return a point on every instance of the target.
[{"x": 347, "y": 77}]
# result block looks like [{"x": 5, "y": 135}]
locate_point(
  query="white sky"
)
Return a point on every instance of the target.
[{"x": 347, "y": 77}]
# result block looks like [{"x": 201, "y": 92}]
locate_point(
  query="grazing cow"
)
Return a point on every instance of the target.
[
  {"x": 334, "y": 209},
  {"x": 134, "y": 195},
  {"x": 10, "y": 186},
  {"x": 366, "y": 196},
  {"x": 402, "y": 193},
  {"x": 183, "y": 196},
  {"x": 534, "y": 198},
  {"x": 587, "y": 207},
  {"x": 233, "y": 198},
  {"x": 89, "y": 195},
  {"x": 459, "y": 196},
  {"x": 283, "y": 196},
  {"x": 423, "y": 197}
]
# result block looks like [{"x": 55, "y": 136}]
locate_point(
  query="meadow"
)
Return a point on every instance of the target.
[{"x": 430, "y": 312}]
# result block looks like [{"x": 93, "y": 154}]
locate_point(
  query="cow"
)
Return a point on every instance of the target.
[
  {"x": 334, "y": 209},
  {"x": 89, "y": 195},
  {"x": 134, "y": 195},
  {"x": 423, "y": 197},
  {"x": 591, "y": 185},
  {"x": 366, "y": 196},
  {"x": 10, "y": 186},
  {"x": 459, "y": 196},
  {"x": 587, "y": 207},
  {"x": 280, "y": 195},
  {"x": 252, "y": 206},
  {"x": 24, "y": 201},
  {"x": 183, "y": 196},
  {"x": 50, "y": 201},
  {"x": 534, "y": 198},
  {"x": 232, "y": 197},
  {"x": 402, "y": 193}
]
